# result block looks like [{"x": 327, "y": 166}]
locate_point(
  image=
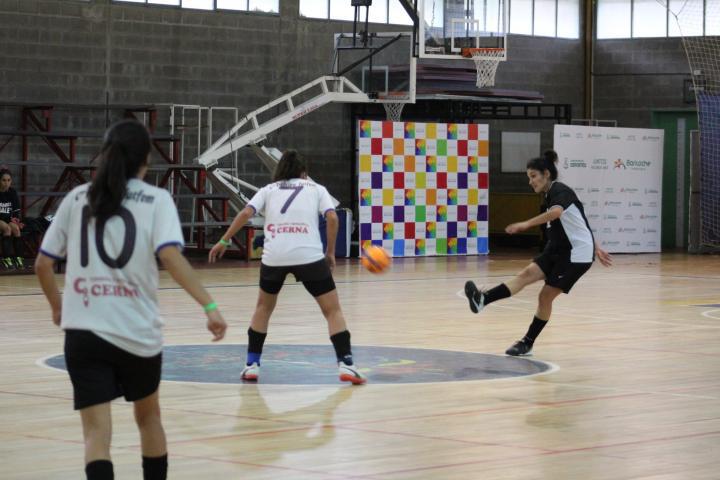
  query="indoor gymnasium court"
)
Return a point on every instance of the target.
[{"x": 420, "y": 118}]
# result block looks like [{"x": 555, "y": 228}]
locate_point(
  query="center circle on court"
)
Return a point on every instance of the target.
[{"x": 315, "y": 364}]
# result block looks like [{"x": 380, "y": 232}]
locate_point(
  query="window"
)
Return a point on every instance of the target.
[
  {"x": 521, "y": 17},
  {"x": 266, "y": 6},
  {"x": 568, "y": 19},
  {"x": 649, "y": 19},
  {"x": 544, "y": 21},
  {"x": 613, "y": 18},
  {"x": 314, "y": 8}
]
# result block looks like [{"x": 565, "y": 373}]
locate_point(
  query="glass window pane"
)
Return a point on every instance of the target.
[
  {"x": 544, "y": 23},
  {"x": 398, "y": 15},
  {"x": 521, "y": 17},
  {"x": 232, "y": 4},
  {"x": 568, "y": 19},
  {"x": 165, "y": 2},
  {"x": 341, "y": 10},
  {"x": 691, "y": 24},
  {"x": 200, "y": 4},
  {"x": 613, "y": 19},
  {"x": 489, "y": 13},
  {"x": 712, "y": 17},
  {"x": 649, "y": 19},
  {"x": 378, "y": 12},
  {"x": 267, "y": 6},
  {"x": 314, "y": 8}
]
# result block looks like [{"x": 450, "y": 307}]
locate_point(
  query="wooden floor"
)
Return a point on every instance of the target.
[{"x": 636, "y": 394}]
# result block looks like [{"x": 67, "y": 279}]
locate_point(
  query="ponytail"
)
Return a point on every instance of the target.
[
  {"x": 125, "y": 149},
  {"x": 546, "y": 162},
  {"x": 290, "y": 166}
]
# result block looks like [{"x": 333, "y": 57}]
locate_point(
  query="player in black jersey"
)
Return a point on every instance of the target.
[{"x": 569, "y": 252}]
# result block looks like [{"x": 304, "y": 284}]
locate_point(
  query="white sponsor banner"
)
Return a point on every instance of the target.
[{"x": 617, "y": 175}]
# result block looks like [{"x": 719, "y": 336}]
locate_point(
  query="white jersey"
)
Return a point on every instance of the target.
[
  {"x": 111, "y": 277},
  {"x": 291, "y": 209}
]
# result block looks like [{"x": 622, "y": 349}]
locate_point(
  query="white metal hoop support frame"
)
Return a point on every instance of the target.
[{"x": 486, "y": 62}]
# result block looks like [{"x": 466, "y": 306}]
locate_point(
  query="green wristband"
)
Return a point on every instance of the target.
[
  {"x": 210, "y": 307},
  {"x": 224, "y": 242}
]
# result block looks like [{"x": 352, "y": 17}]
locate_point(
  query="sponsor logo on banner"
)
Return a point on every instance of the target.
[
  {"x": 611, "y": 243},
  {"x": 627, "y": 230},
  {"x": 651, "y": 138},
  {"x": 638, "y": 164},
  {"x": 632, "y": 244},
  {"x": 649, "y": 230},
  {"x": 574, "y": 163},
  {"x": 631, "y": 138},
  {"x": 593, "y": 190},
  {"x": 652, "y": 204},
  {"x": 593, "y": 216},
  {"x": 619, "y": 164},
  {"x": 648, "y": 217},
  {"x": 594, "y": 203},
  {"x": 579, "y": 189},
  {"x": 607, "y": 230},
  {"x": 650, "y": 190},
  {"x": 651, "y": 244},
  {"x": 635, "y": 204},
  {"x": 612, "y": 136},
  {"x": 613, "y": 203},
  {"x": 610, "y": 217},
  {"x": 599, "y": 164},
  {"x": 564, "y": 135},
  {"x": 628, "y": 190},
  {"x": 594, "y": 135},
  {"x": 609, "y": 190},
  {"x": 628, "y": 217}
]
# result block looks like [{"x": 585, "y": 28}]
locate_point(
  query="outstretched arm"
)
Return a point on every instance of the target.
[
  {"x": 240, "y": 220},
  {"x": 552, "y": 214}
]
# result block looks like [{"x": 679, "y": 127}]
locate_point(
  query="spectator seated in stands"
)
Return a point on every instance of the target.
[{"x": 10, "y": 224}]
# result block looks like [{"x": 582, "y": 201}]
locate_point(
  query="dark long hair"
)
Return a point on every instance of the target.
[
  {"x": 125, "y": 150},
  {"x": 546, "y": 162},
  {"x": 291, "y": 165}
]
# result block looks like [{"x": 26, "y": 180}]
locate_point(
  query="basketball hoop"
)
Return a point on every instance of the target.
[
  {"x": 393, "y": 111},
  {"x": 486, "y": 62},
  {"x": 393, "y": 103}
]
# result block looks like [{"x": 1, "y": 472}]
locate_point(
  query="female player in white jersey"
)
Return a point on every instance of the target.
[
  {"x": 109, "y": 232},
  {"x": 568, "y": 254},
  {"x": 291, "y": 206}
]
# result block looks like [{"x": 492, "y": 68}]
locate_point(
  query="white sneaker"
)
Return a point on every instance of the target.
[
  {"x": 250, "y": 372},
  {"x": 350, "y": 373}
]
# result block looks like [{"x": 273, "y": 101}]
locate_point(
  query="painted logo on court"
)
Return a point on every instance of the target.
[{"x": 316, "y": 364}]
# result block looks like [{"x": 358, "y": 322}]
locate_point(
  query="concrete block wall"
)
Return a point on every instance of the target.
[
  {"x": 96, "y": 51},
  {"x": 634, "y": 76}
]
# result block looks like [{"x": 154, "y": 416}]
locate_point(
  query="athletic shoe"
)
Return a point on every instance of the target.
[
  {"x": 474, "y": 296},
  {"x": 350, "y": 373},
  {"x": 7, "y": 264},
  {"x": 521, "y": 348},
  {"x": 250, "y": 372},
  {"x": 20, "y": 263}
]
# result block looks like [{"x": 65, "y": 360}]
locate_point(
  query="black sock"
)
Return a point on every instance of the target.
[
  {"x": 99, "y": 470},
  {"x": 17, "y": 243},
  {"x": 535, "y": 328},
  {"x": 7, "y": 246},
  {"x": 497, "y": 293},
  {"x": 155, "y": 468},
  {"x": 341, "y": 343},
  {"x": 256, "y": 340}
]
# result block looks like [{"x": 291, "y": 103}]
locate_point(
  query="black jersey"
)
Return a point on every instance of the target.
[
  {"x": 9, "y": 205},
  {"x": 571, "y": 231}
]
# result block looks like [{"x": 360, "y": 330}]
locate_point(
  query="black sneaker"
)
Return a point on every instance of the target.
[
  {"x": 19, "y": 263},
  {"x": 7, "y": 264},
  {"x": 475, "y": 297},
  {"x": 519, "y": 349}
]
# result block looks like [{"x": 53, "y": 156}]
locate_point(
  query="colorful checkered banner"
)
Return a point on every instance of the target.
[{"x": 423, "y": 187}]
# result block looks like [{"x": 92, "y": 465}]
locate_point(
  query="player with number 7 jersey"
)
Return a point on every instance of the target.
[{"x": 291, "y": 206}]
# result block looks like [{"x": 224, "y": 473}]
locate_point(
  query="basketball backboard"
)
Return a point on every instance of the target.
[
  {"x": 448, "y": 26},
  {"x": 381, "y": 64}
]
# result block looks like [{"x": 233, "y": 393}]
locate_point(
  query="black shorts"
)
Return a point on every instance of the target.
[
  {"x": 101, "y": 372},
  {"x": 316, "y": 277},
  {"x": 559, "y": 271}
]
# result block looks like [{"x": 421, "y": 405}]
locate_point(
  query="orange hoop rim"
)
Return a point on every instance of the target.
[{"x": 468, "y": 52}]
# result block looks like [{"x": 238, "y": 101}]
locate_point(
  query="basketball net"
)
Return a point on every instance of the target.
[
  {"x": 393, "y": 111},
  {"x": 486, "y": 62}
]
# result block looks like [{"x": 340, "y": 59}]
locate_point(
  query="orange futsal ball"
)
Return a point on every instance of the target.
[{"x": 375, "y": 259}]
